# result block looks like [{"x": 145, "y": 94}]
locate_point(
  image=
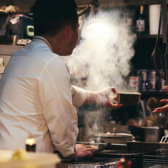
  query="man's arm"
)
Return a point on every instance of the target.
[
  {"x": 102, "y": 97},
  {"x": 59, "y": 113}
]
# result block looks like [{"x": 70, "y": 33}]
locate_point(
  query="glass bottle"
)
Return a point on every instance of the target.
[{"x": 140, "y": 22}]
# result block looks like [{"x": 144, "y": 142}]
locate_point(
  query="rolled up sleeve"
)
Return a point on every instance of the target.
[
  {"x": 78, "y": 96},
  {"x": 58, "y": 110}
]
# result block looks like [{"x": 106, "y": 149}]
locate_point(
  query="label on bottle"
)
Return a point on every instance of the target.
[
  {"x": 133, "y": 82},
  {"x": 140, "y": 24}
]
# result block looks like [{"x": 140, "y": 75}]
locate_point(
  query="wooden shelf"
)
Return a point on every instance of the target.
[{"x": 147, "y": 36}]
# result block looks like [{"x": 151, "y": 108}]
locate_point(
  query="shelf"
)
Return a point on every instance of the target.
[
  {"x": 153, "y": 93},
  {"x": 146, "y": 36}
]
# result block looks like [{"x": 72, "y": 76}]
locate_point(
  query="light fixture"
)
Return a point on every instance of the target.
[{"x": 95, "y": 21}]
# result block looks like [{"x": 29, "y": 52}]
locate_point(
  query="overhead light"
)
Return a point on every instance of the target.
[{"x": 94, "y": 18}]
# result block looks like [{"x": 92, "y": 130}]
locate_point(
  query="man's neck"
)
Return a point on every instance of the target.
[{"x": 55, "y": 42}]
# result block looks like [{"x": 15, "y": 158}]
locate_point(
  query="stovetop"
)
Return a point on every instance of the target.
[
  {"x": 93, "y": 162},
  {"x": 110, "y": 157}
]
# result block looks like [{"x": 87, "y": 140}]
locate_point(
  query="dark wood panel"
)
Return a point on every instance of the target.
[
  {"x": 25, "y": 5},
  {"x": 120, "y": 3}
]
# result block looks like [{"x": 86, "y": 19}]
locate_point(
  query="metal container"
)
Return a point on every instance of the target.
[
  {"x": 128, "y": 98},
  {"x": 143, "y": 80},
  {"x": 152, "y": 80},
  {"x": 117, "y": 138},
  {"x": 152, "y": 134}
]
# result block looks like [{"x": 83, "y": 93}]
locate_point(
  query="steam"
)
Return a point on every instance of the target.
[{"x": 104, "y": 53}]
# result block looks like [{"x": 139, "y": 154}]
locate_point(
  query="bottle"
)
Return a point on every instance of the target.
[
  {"x": 30, "y": 143},
  {"x": 140, "y": 22}
]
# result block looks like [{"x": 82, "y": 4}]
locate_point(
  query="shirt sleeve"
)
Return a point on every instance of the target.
[
  {"x": 78, "y": 96},
  {"x": 58, "y": 110}
]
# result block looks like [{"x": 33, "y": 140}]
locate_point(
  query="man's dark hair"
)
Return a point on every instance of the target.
[{"x": 50, "y": 16}]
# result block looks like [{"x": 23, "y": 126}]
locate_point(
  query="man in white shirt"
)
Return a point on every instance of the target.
[{"x": 35, "y": 91}]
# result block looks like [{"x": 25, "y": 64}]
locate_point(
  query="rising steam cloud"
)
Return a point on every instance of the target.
[{"x": 105, "y": 52}]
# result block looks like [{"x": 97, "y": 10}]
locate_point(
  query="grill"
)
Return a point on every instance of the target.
[
  {"x": 160, "y": 160},
  {"x": 141, "y": 155},
  {"x": 88, "y": 163},
  {"x": 104, "y": 159},
  {"x": 113, "y": 153}
]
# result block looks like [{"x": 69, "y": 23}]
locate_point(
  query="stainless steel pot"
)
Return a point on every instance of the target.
[
  {"x": 151, "y": 134},
  {"x": 128, "y": 98},
  {"x": 117, "y": 138}
]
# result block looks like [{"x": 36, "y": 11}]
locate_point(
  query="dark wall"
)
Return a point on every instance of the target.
[{"x": 143, "y": 50}]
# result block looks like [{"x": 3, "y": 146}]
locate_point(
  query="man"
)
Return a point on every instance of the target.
[{"x": 35, "y": 91}]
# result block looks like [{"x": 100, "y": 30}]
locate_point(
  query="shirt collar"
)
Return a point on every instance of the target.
[{"x": 40, "y": 38}]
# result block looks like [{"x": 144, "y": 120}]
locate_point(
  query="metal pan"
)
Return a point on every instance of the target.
[{"x": 115, "y": 138}]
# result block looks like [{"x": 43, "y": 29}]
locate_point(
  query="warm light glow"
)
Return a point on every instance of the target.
[
  {"x": 122, "y": 159},
  {"x": 98, "y": 29},
  {"x": 96, "y": 25},
  {"x": 30, "y": 141}
]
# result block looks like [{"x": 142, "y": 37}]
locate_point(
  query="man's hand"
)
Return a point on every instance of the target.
[
  {"x": 82, "y": 150},
  {"x": 103, "y": 97},
  {"x": 164, "y": 108}
]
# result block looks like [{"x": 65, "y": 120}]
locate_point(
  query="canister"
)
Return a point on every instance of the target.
[
  {"x": 151, "y": 134},
  {"x": 151, "y": 80},
  {"x": 144, "y": 80}
]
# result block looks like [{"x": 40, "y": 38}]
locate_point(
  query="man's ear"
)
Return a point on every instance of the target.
[{"x": 67, "y": 32}]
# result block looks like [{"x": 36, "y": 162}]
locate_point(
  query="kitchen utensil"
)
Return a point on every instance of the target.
[
  {"x": 117, "y": 138},
  {"x": 102, "y": 148},
  {"x": 164, "y": 139},
  {"x": 95, "y": 152},
  {"x": 128, "y": 98}
]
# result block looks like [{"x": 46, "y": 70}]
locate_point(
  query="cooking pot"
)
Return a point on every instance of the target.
[
  {"x": 117, "y": 138},
  {"x": 128, "y": 98},
  {"x": 152, "y": 134}
]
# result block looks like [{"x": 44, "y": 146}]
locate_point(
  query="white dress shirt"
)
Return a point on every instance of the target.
[{"x": 36, "y": 96}]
